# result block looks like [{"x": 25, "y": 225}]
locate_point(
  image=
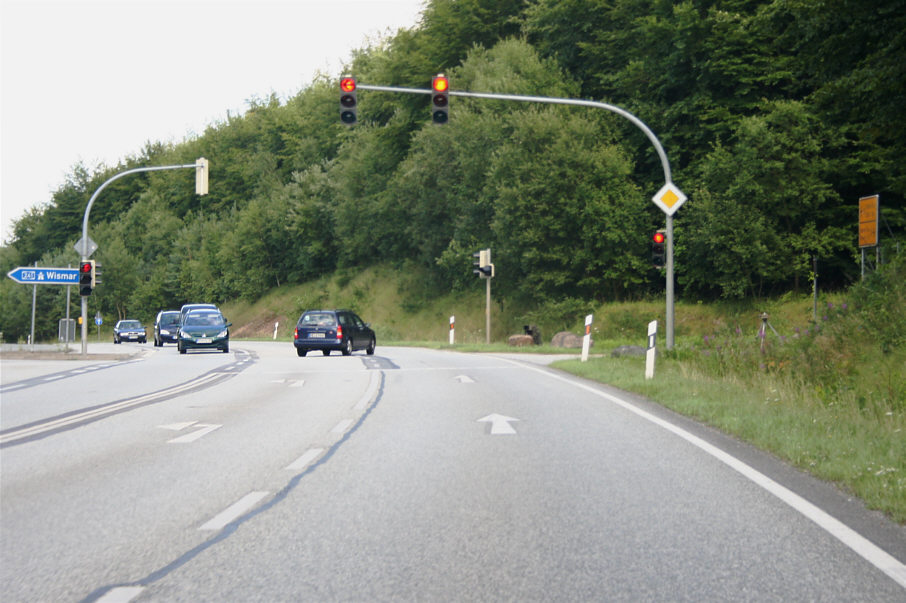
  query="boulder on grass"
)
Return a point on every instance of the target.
[
  {"x": 565, "y": 339},
  {"x": 520, "y": 340},
  {"x": 628, "y": 350}
]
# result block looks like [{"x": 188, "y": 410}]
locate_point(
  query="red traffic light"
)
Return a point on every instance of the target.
[
  {"x": 347, "y": 84},
  {"x": 85, "y": 268},
  {"x": 658, "y": 237},
  {"x": 440, "y": 84}
]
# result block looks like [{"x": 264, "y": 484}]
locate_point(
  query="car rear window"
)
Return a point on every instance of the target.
[
  {"x": 198, "y": 319},
  {"x": 318, "y": 319}
]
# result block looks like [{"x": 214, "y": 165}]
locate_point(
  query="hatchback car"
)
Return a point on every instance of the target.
[
  {"x": 186, "y": 308},
  {"x": 328, "y": 330},
  {"x": 205, "y": 330},
  {"x": 129, "y": 330},
  {"x": 165, "y": 327}
]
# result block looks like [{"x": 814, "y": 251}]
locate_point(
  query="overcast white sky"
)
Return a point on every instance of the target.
[{"x": 92, "y": 81}]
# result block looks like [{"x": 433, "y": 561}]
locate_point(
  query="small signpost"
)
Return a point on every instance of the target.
[
  {"x": 651, "y": 352},
  {"x": 869, "y": 213},
  {"x": 452, "y": 329},
  {"x": 586, "y": 341}
]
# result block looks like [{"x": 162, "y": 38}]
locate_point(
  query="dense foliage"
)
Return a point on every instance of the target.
[{"x": 777, "y": 115}]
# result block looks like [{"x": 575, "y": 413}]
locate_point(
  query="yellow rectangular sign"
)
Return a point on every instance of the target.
[{"x": 868, "y": 221}]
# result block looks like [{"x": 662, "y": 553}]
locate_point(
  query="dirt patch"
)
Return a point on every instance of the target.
[{"x": 260, "y": 327}]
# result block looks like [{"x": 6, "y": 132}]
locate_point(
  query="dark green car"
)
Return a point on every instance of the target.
[{"x": 204, "y": 330}]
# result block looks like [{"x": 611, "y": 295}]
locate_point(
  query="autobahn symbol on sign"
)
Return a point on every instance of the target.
[{"x": 32, "y": 275}]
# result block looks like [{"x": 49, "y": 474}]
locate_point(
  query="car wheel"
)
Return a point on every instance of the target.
[
  {"x": 182, "y": 350},
  {"x": 325, "y": 352},
  {"x": 347, "y": 349},
  {"x": 226, "y": 349},
  {"x": 300, "y": 352},
  {"x": 115, "y": 340},
  {"x": 370, "y": 349}
]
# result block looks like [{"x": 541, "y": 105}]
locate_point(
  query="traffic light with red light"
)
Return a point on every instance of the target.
[
  {"x": 86, "y": 277},
  {"x": 348, "y": 101},
  {"x": 658, "y": 249},
  {"x": 440, "y": 99}
]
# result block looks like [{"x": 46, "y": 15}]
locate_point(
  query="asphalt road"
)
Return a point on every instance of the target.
[{"x": 408, "y": 475}]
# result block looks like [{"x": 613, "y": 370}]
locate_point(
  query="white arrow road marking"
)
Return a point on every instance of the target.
[
  {"x": 178, "y": 426},
  {"x": 464, "y": 379},
  {"x": 290, "y": 382},
  {"x": 500, "y": 425},
  {"x": 191, "y": 437},
  {"x": 233, "y": 511}
]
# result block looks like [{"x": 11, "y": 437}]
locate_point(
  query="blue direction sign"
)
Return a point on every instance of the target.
[{"x": 32, "y": 275}]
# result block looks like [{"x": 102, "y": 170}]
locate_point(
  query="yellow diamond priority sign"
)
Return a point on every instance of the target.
[{"x": 669, "y": 198}]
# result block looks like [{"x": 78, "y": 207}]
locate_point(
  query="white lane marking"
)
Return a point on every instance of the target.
[
  {"x": 305, "y": 460},
  {"x": 500, "y": 425},
  {"x": 866, "y": 549},
  {"x": 342, "y": 426},
  {"x": 233, "y": 511},
  {"x": 54, "y": 377},
  {"x": 464, "y": 379},
  {"x": 368, "y": 396},
  {"x": 195, "y": 435},
  {"x": 121, "y": 594}
]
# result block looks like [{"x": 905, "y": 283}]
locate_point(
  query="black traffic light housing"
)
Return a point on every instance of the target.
[
  {"x": 440, "y": 99},
  {"x": 86, "y": 277},
  {"x": 481, "y": 263},
  {"x": 658, "y": 249},
  {"x": 348, "y": 101}
]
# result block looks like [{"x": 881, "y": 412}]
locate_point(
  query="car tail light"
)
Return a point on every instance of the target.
[
  {"x": 295, "y": 333},
  {"x": 339, "y": 332}
]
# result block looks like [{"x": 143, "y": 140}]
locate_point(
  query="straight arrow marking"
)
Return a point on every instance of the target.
[
  {"x": 500, "y": 425},
  {"x": 191, "y": 437}
]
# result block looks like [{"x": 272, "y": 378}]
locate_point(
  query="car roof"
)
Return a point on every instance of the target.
[{"x": 194, "y": 306}]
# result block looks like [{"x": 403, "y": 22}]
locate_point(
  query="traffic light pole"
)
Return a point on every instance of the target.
[
  {"x": 201, "y": 185},
  {"x": 665, "y": 164}
]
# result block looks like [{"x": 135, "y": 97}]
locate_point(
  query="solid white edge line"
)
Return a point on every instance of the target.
[
  {"x": 303, "y": 461},
  {"x": 233, "y": 511},
  {"x": 863, "y": 547},
  {"x": 121, "y": 594},
  {"x": 104, "y": 410}
]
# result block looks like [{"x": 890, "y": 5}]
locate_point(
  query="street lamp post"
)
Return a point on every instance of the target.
[{"x": 85, "y": 246}]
